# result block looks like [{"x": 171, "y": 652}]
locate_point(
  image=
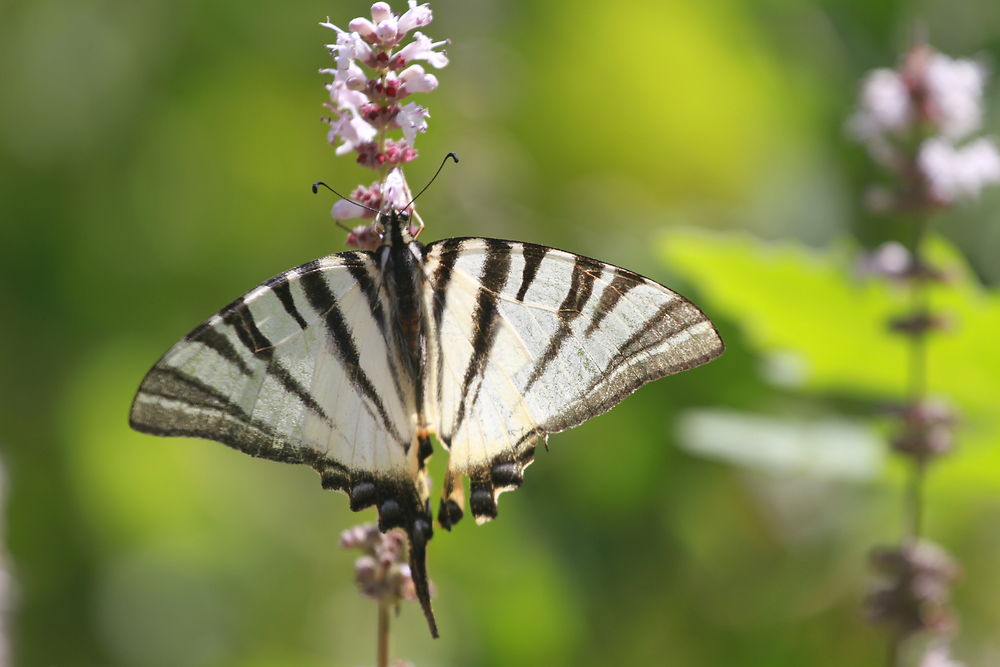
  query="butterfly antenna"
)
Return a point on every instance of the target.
[
  {"x": 440, "y": 167},
  {"x": 315, "y": 189}
]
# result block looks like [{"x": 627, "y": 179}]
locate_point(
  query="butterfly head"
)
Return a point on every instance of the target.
[{"x": 396, "y": 229}]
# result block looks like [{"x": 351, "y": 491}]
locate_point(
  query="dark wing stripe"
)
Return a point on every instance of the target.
[
  {"x": 241, "y": 319},
  {"x": 251, "y": 436},
  {"x": 612, "y": 294},
  {"x": 442, "y": 276},
  {"x": 597, "y": 399},
  {"x": 371, "y": 291},
  {"x": 635, "y": 344},
  {"x": 212, "y": 338},
  {"x": 283, "y": 291},
  {"x": 342, "y": 341},
  {"x": 292, "y": 386},
  {"x": 580, "y": 289},
  {"x": 640, "y": 342},
  {"x": 533, "y": 256},
  {"x": 492, "y": 279},
  {"x": 172, "y": 384}
]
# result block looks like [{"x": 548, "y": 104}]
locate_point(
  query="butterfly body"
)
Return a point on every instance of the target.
[{"x": 349, "y": 363}]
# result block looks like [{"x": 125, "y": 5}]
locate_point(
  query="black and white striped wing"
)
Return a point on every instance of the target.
[
  {"x": 532, "y": 340},
  {"x": 296, "y": 370}
]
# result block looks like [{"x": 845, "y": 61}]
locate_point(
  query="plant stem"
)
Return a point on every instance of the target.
[
  {"x": 383, "y": 634},
  {"x": 917, "y": 381},
  {"x": 916, "y": 391},
  {"x": 895, "y": 643}
]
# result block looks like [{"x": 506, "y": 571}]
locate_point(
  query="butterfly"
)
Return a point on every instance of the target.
[{"x": 350, "y": 362}]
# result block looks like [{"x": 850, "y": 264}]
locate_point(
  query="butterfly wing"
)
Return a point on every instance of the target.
[
  {"x": 534, "y": 340},
  {"x": 296, "y": 370},
  {"x": 302, "y": 370}
]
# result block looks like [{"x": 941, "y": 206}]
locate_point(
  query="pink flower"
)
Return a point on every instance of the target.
[
  {"x": 345, "y": 89},
  {"x": 953, "y": 173},
  {"x": 955, "y": 88},
  {"x": 381, "y": 11},
  {"x": 422, "y": 48},
  {"x": 346, "y": 210},
  {"x": 370, "y": 79},
  {"x": 417, "y": 16},
  {"x": 362, "y": 26},
  {"x": 363, "y": 237},
  {"x": 352, "y": 129},
  {"x": 387, "y": 30},
  {"x": 396, "y": 193},
  {"x": 349, "y": 46},
  {"x": 884, "y": 105},
  {"x": 411, "y": 119},
  {"x": 890, "y": 260},
  {"x": 416, "y": 80}
]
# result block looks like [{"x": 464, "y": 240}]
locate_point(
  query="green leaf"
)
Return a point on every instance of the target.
[{"x": 807, "y": 304}]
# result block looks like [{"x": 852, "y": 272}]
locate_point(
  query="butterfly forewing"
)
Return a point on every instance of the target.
[{"x": 296, "y": 370}]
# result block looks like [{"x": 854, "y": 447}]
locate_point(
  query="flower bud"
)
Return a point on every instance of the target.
[
  {"x": 362, "y": 26},
  {"x": 386, "y": 30},
  {"x": 381, "y": 11}
]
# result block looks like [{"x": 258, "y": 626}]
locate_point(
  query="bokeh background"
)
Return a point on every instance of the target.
[{"x": 156, "y": 162}]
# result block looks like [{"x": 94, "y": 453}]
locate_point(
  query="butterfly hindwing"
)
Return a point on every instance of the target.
[{"x": 534, "y": 340}]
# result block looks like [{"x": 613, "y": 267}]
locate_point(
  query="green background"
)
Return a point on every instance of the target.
[{"x": 156, "y": 162}]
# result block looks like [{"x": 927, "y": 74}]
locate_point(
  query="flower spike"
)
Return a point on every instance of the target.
[{"x": 373, "y": 71}]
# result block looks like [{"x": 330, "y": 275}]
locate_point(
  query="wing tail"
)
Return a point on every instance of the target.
[
  {"x": 420, "y": 532},
  {"x": 403, "y": 504}
]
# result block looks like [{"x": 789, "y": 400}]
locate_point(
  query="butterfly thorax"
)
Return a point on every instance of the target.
[{"x": 400, "y": 258}]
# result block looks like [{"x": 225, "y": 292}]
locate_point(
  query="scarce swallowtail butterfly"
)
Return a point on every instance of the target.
[{"x": 350, "y": 362}]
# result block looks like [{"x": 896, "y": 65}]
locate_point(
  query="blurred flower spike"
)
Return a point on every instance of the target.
[
  {"x": 914, "y": 120},
  {"x": 375, "y": 71},
  {"x": 382, "y": 571},
  {"x": 915, "y": 589}
]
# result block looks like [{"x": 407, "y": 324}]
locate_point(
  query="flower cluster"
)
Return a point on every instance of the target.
[
  {"x": 914, "y": 119},
  {"x": 915, "y": 589},
  {"x": 893, "y": 261},
  {"x": 927, "y": 430},
  {"x": 375, "y": 72},
  {"x": 382, "y": 572}
]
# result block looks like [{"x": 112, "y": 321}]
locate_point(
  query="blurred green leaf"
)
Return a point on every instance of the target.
[
  {"x": 790, "y": 300},
  {"x": 812, "y": 449}
]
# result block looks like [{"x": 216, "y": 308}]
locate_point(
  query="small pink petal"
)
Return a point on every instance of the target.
[
  {"x": 386, "y": 30},
  {"x": 381, "y": 11},
  {"x": 415, "y": 17},
  {"x": 362, "y": 26}
]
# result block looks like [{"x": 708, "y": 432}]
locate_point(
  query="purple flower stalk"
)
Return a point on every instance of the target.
[
  {"x": 381, "y": 573},
  {"x": 375, "y": 72},
  {"x": 916, "y": 121}
]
